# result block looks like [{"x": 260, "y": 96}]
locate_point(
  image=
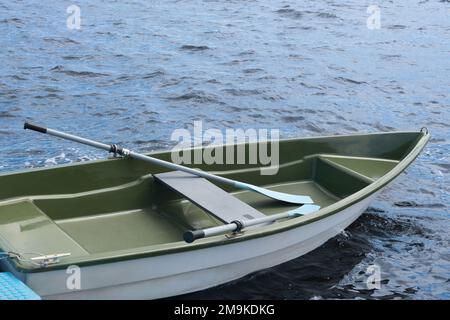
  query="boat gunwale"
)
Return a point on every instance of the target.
[
  {"x": 163, "y": 151},
  {"x": 181, "y": 246}
]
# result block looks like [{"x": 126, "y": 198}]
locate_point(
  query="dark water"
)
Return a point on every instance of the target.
[{"x": 137, "y": 70}]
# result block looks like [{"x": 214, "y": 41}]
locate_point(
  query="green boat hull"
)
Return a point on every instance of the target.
[{"x": 113, "y": 210}]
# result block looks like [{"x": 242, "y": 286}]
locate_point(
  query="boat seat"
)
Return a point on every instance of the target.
[{"x": 219, "y": 203}]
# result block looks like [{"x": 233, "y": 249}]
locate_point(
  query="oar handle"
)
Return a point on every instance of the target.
[
  {"x": 34, "y": 127},
  {"x": 192, "y": 235}
]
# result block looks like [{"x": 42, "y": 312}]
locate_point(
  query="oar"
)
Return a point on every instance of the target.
[
  {"x": 290, "y": 198},
  {"x": 192, "y": 235}
]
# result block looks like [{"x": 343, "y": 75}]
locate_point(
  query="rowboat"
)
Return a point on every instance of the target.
[{"x": 122, "y": 228}]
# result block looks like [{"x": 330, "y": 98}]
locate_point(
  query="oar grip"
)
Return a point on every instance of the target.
[
  {"x": 34, "y": 127},
  {"x": 192, "y": 235}
]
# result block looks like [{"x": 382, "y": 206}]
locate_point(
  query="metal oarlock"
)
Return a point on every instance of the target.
[{"x": 116, "y": 150}]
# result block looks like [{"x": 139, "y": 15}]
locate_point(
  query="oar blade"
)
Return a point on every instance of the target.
[
  {"x": 281, "y": 196},
  {"x": 303, "y": 210}
]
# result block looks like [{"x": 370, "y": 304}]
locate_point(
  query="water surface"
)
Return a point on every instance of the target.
[{"x": 137, "y": 70}]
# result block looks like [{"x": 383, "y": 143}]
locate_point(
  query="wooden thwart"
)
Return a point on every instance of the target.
[{"x": 208, "y": 196}]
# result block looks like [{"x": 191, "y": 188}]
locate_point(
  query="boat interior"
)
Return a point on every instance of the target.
[{"x": 117, "y": 204}]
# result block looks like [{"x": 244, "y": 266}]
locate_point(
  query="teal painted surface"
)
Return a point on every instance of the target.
[{"x": 12, "y": 288}]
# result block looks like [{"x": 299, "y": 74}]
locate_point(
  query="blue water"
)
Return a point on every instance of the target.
[{"x": 137, "y": 70}]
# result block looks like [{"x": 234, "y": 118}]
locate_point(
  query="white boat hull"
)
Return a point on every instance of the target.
[{"x": 189, "y": 271}]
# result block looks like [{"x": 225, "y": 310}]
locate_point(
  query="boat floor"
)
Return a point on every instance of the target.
[{"x": 147, "y": 226}]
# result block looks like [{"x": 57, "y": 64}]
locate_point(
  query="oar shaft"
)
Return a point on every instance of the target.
[
  {"x": 191, "y": 236},
  {"x": 81, "y": 140},
  {"x": 174, "y": 166}
]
